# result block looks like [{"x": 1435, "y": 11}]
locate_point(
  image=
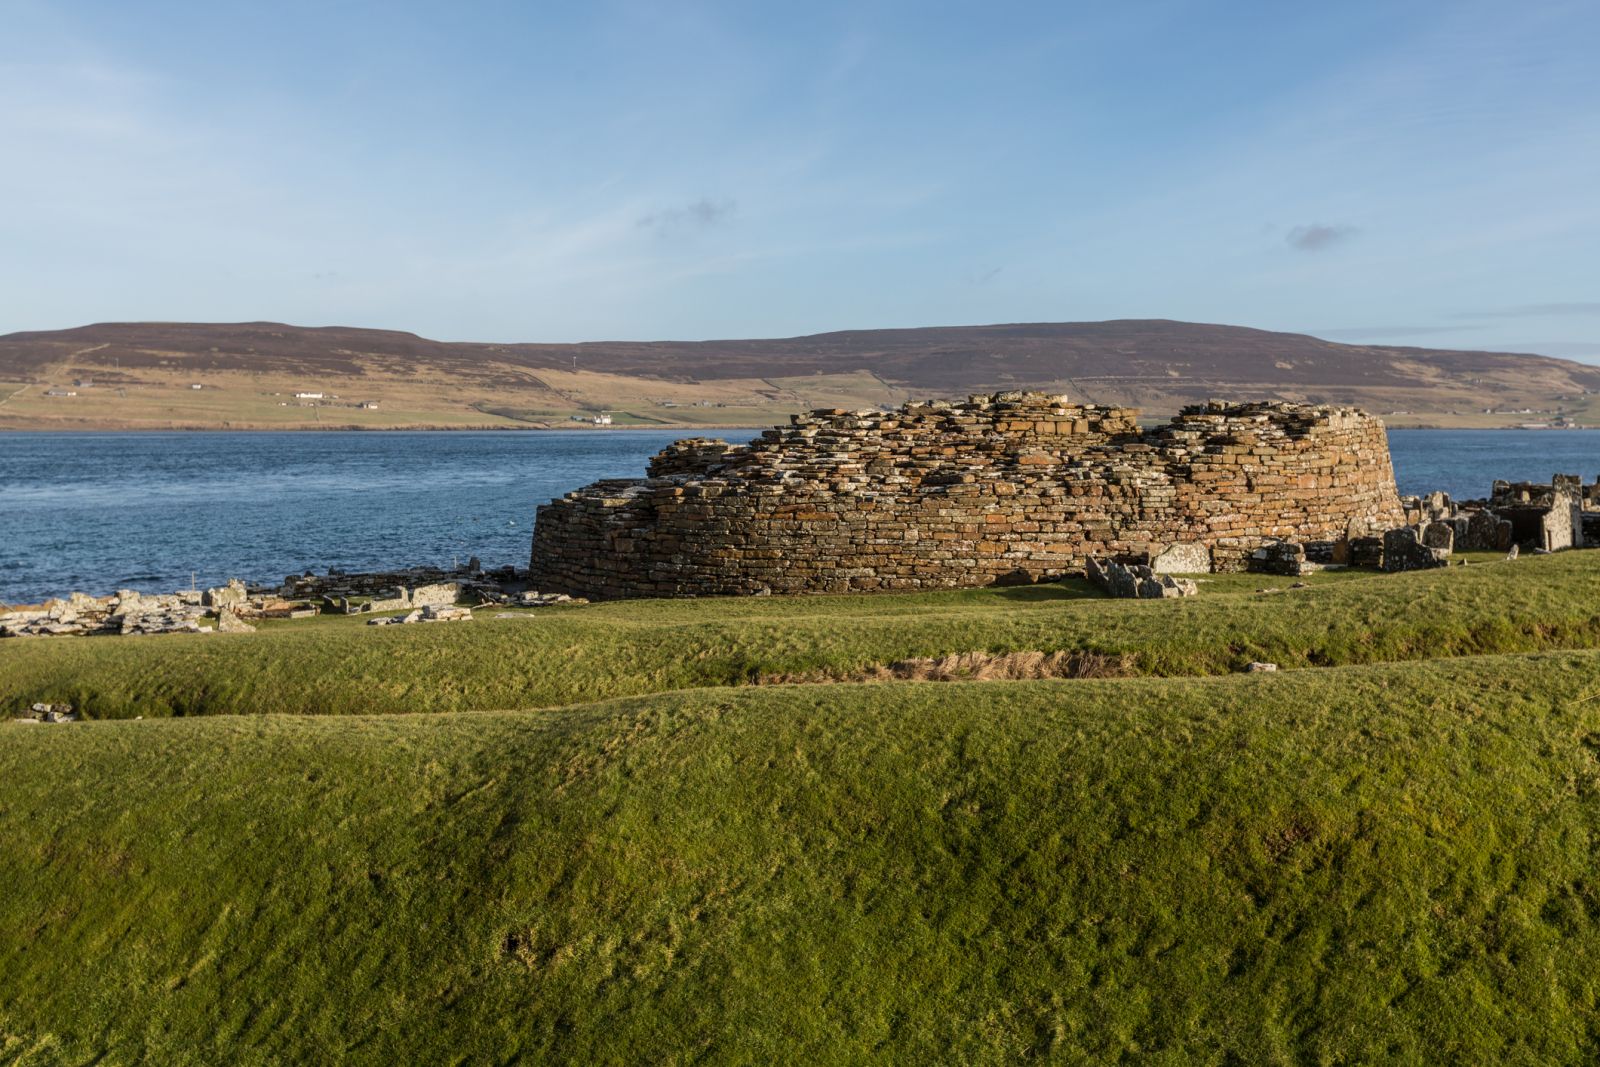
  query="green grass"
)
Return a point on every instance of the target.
[
  {"x": 1392, "y": 858},
  {"x": 1390, "y": 863},
  {"x": 566, "y": 656}
]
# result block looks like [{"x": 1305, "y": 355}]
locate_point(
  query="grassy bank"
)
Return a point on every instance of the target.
[
  {"x": 557, "y": 657},
  {"x": 1391, "y": 863}
]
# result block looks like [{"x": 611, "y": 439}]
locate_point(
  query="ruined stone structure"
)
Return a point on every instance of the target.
[
  {"x": 1010, "y": 487},
  {"x": 1548, "y": 517},
  {"x": 1529, "y": 515}
]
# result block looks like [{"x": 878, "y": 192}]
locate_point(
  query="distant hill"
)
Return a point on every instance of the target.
[{"x": 139, "y": 373}]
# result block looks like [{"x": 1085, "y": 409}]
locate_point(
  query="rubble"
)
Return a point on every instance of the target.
[
  {"x": 398, "y": 590},
  {"x": 229, "y": 622},
  {"x": 126, "y": 612},
  {"x": 235, "y": 592},
  {"x": 1137, "y": 581},
  {"x": 532, "y": 599},
  {"x": 430, "y": 613},
  {"x": 1516, "y": 517},
  {"x": 237, "y": 604},
  {"x": 1283, "y": 557},
  {"x": 49, "y": 713}
]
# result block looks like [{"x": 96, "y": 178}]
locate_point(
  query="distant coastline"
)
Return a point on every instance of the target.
[
  {"x": 251, "y": 376},
  {"x": 599, "y": 431}
]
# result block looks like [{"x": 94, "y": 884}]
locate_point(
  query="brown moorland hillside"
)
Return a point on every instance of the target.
[{"x": 143, "y": 374}]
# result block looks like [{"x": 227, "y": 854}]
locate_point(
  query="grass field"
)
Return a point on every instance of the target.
[
  {"x": 1389, "y": 856},
  {"x": 421, "y": 398},
  {"x": 1391, "y": 863},
  {"x": 556, "y": 657}
]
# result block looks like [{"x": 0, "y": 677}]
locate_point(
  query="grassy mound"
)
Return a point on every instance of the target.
[
  {"x": 1384, "y": 863},
  {"x": 558, "y": 657}
]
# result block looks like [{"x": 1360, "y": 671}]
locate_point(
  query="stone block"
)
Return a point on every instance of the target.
[
  {"x": 1183, "y": 557},
  {"x": 1402, "y": 551},
  {"x": 1439, "y": 535}
]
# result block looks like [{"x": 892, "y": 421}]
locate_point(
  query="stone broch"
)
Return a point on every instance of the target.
[{"x": 1008, "y": 487}]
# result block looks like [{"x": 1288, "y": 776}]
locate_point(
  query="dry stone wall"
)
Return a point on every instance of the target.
[{"x": 1009, "y": 487}]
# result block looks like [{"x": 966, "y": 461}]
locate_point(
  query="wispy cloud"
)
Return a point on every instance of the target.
[
  {"x": 1317, "y": 236},
  {"x": 1534, "y": 311},
  {"x": 701, "y": 214},
  {"x": 1586, "y": 351},
  {"x": 1365, "y": 333}
]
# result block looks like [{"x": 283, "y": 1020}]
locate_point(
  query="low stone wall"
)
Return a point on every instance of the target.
[{"x": 1010, "y": 487}]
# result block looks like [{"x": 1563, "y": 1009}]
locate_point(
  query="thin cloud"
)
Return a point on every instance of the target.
[
  {"x": 1531, "y": 311},
  {"x": 1317, "y": 236},
  {"x": 1361, "y": 333},
  {"x": 1583, "y": 351},
  {"x": 701, "y": 214}
]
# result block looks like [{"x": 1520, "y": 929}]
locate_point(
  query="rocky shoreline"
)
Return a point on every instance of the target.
[{"x": 426, "y": 594}]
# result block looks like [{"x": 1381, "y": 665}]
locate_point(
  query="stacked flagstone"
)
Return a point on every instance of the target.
[{"x": 1008, "y": 487}]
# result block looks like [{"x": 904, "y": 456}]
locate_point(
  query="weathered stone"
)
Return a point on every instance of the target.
[
  {"x": 1403, "y": 552},
  {"x": 234, "y": 592},
  {"x": 1185, "y": 557},
  {"x": 229, "y": 622},
  {"x": 1256, "y": 668},
  {"x": 1439, "y": 535},
  {"x": 47, "y": 712},
  {"x": 1137, "y": 581},
  {"x": 1003, "y": 488},
  {"x": 1485, "y": 532},
  {"x": 1282, "y": 557},
  {"x": 441, "y": 594},
  {"x": 533, "y": 599}
]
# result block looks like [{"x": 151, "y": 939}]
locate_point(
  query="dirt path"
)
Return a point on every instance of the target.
[{"x": 60, "y": 369}]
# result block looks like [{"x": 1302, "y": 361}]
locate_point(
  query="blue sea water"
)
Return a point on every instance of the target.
[{"x": 98, "y": 511}]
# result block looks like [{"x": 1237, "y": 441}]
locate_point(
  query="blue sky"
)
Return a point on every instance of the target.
[{"x": 1407, "y": 172}]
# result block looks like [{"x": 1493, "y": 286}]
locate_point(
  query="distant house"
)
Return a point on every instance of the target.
[
  {"x": 368, "y": 405},
  {"x": 83, "y": 383},
  {"x": 308, "y": 396},
  {"x": 602, "y": 419},
  {"x": 59, "y": 392},
  {"x": 196, "y": 385}
]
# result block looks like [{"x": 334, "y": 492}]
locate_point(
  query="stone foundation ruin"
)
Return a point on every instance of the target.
[
  {"x": 1014, "y": 487},
  {"x": 1523, "y": 515}
]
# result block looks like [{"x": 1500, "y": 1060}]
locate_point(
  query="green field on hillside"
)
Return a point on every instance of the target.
[
  {"x": 558, "y": 656},
  {"x": 1392, "y": 863}
]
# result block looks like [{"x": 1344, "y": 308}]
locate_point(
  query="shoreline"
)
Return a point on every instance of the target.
[
  {"x": 578, "y": 428},
  {"x": 575, "y": 428}
]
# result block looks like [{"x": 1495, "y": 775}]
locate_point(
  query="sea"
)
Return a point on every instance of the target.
[{"x": 96, "y": 512}]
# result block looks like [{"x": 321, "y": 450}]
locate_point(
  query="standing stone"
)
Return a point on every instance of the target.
[{"x": 1439, "y": 535}]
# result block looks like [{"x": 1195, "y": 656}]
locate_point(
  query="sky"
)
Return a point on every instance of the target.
[{"x": 1397, "y": 171}]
